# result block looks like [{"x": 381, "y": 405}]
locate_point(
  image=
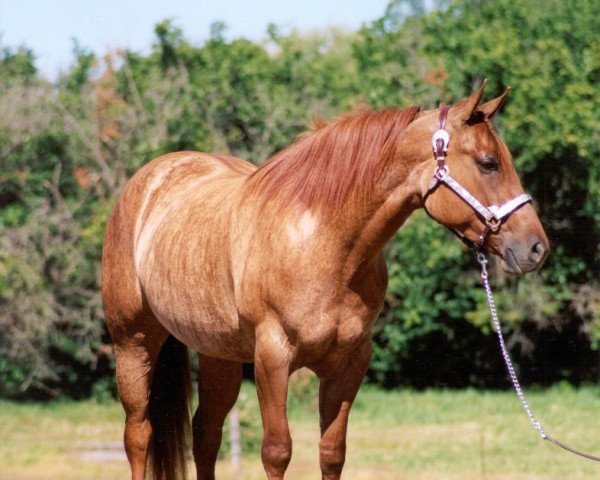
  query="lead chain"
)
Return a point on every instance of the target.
[{"x": 507, "y": 361}]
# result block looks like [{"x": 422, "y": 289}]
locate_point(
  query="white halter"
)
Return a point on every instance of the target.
[{"x": 494, "y": 215}]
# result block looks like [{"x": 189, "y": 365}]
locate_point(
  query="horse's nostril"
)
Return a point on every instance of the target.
[{"x": 538, "y": 251}]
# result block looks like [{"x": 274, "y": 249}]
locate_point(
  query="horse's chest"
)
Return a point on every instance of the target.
[
  {"x": 327, "y": 329},
  {"x": 332, "y": 333}
]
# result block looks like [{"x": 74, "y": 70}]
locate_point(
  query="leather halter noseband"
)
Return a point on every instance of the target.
[{"x": 492, "y": 216}]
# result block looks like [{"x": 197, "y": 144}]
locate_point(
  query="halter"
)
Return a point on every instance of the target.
[{"x": 492, "y": 216}]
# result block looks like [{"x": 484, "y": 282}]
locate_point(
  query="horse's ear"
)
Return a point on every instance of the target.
[
  {"x": 490, "y": 108},
  {"x": 464, "y": 109}
]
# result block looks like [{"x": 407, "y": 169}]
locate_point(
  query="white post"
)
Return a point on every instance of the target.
[{"x": 235, "y": 440}]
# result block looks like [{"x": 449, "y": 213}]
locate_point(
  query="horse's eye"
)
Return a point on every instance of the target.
[{"x": 488, "y": 165}]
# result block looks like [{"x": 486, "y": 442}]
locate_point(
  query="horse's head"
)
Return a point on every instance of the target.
[{"x": 475, "y": 190}]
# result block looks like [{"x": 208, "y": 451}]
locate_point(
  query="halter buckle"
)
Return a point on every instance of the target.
[{"x": 445, "y": 141}]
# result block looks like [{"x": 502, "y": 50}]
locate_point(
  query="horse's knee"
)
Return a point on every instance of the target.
[
  {"x": 276, "y": 456},
  {"x": 332, "y": 459}
]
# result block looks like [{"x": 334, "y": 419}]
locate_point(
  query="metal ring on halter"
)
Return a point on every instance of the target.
[
  {"x": 493, "y": 224},
  {"x": 442, "y": 172}
]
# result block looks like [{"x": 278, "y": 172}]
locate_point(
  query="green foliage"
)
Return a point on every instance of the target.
[
  {"x": 66, "y": 150},
  {"x": 17, "y": 65},
  {"x": 390, "y": 57}
]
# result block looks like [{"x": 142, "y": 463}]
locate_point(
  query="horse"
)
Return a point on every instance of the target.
[{"x": 282, "y": 266}]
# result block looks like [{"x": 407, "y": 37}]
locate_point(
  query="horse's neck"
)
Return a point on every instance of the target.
[
  {"x": 368, "y": 230},
  {"x": 352, "y": 231}
]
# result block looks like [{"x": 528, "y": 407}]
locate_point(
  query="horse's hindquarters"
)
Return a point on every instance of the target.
[{"x": 181, "y": 252}]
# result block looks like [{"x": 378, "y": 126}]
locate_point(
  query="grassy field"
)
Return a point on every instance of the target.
[{"x": 443, "y": 435}]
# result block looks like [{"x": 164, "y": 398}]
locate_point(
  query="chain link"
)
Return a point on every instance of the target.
[{"x": 481, "y": 258}]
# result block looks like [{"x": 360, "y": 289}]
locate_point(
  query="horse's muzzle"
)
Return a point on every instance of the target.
[{"x": 523, "y": 257}]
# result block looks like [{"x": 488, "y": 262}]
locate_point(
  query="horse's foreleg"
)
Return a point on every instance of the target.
[
  {"x": 218, "y": 385},
  {"x": 336, "y": 394},
  {"x": 272, "y": 369}
]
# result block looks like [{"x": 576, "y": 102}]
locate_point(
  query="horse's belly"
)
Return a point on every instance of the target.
[{"x": 211, "y": 330}]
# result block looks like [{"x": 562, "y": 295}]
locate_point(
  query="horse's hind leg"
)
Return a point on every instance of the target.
[
  {"x": 219, "y": 385},
  {"x": 147, "y": 366},
  {"x": 136, "y": 359}
]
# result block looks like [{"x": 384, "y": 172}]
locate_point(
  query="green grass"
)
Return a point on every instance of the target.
[
  {"x": 409, "y": 435},
  {"x": 473, "y": 434}
]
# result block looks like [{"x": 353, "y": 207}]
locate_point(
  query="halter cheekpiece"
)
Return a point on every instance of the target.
[{"x": 492, "y": 216}]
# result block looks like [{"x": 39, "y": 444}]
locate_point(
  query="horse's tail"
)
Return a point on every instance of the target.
[{"x": 169, "y": 413}]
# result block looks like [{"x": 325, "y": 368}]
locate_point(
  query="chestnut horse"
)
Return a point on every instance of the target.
[{"x": 282, "y": 265}]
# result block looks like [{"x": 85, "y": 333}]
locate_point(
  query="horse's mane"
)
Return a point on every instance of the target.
[{"x": 328, "y": 164}]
